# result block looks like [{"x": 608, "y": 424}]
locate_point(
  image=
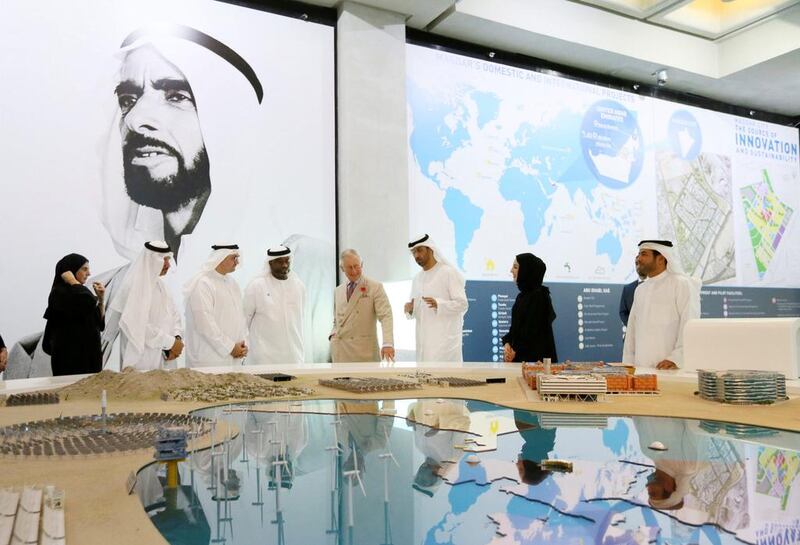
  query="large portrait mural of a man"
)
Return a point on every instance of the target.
[{"x": 200, "y": 137}]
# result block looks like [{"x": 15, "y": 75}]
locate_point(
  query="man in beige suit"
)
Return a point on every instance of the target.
[{"x": 358, "y": 304}]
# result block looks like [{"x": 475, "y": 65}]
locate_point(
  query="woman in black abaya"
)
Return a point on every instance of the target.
[
  {"x": 75, "y": 318},
  {"x": 530, "y": 337}
]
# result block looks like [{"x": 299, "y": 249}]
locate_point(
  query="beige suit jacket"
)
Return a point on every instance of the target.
[{"x": 355, "y": 335}]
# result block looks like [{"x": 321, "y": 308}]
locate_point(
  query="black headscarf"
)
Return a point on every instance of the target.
[
  {"x": 73, "y": 263},
  {"x": 532, "y": 316},
  {"x": 531, "y": 272}
]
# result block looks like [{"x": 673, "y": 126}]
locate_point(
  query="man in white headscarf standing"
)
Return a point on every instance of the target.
[
  {"x": 438, "y": 304},
  {"x": 215, "y": 326},
  {"x": 150, "y": 324},
  {"x": 273, "y": 309},
  {"x": 665, "y": 301}
]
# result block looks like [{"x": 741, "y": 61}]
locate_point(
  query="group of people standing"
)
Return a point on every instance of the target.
[{"x": 265, "y": 324}]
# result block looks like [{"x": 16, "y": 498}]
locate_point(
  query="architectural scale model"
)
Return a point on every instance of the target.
[
  {"x": 422, "y": 377},
  {"x": 171, "y": 444},
  {"x": 571, "y": 387},
  {"x": 34, "y": 516},
  {"x": 35, "y": 398},
  {"x": 742, "y": 387},
  {"x": 87, "y": 435},
  {"x": 618, "y": 379},
  {"x": 235, "y": 391},
  {"x": 364, "y": 385}
]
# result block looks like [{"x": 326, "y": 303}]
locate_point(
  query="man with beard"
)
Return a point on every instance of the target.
[
  {"x": 215, "y": 327},
  {"x": 663, "y": 304},
  {"x": 178, "y": 166},
  {"x": 273, "y": 310},
  {"x": 164, "y": 159},
  {"x": 438, "y": 303},
  {"x": 150, "y": 324}
]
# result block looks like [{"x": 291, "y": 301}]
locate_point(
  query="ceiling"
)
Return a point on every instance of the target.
[{"x": 742, "y": 52}]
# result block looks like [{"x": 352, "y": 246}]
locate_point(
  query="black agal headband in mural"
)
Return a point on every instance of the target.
[{"x": 202, "y": 39}]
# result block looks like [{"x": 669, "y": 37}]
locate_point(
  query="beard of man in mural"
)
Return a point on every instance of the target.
[
  {"x": 165, "y": 164},
  {"x": 182, "y": 152}
]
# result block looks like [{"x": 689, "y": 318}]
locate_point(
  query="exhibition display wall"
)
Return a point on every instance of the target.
[
  {"x": 504, "y": 160},
  {"x": 191, "y": 121}
]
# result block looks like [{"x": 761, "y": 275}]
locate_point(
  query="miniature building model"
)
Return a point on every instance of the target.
[
  {"x": 741, "y": 387},
  {"x": 618, "y": 379},
  {"x": 368, "y": 384},
  {"x": 571, "y": 387},
  {"x": 171, "y": 444}
]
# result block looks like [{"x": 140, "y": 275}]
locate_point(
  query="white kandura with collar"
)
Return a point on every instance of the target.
[
  {"x": 438, "y": 330},
  {"x": 147, "y": 316},
  {"x": 273, "y": 311},
  {"x": 661, "y": 308},
  {"x": 214, "y": 315}
]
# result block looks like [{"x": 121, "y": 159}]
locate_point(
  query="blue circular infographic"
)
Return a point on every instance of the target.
[
  {"x": 612, "y": 144},
  {"x": 685, "y": 136}
]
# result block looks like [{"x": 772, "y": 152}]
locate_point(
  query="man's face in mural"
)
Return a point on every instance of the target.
[{"x": 164, "y": 157}]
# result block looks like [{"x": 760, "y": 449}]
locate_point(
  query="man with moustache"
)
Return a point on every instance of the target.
[
  {"x": 215, "y": 328},
  {"x": 273, "y": 310},
  {"x": 358, "y": 304},
  {"x": 173, "y": 169},
  {"x": 438, "y": 303},
  {"x": 663, "y": 304},
  {"x": 148, "y": 320}
]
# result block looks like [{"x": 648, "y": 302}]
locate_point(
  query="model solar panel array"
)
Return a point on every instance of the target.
[
  {"x": 89, "y": 435},
  {"x": 34, "y": 398}
]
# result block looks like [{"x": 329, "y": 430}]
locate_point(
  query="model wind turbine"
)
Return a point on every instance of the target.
[
  {"x": 244, "y": 459},
  {"x": 386, "y": 456},
  {"x": 354, "y": 473},
  {"x": 259, "y": 434},
  {"x": 335, "y": 451}
]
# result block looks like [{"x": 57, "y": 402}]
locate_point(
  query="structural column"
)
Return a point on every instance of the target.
[{"x": 372, "y": 138}]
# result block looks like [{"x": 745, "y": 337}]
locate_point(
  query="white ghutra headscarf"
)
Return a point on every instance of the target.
[
  {"x": 667, "y": 249},
  {"x": 218, "y": 254},
  {"x": 140, "y": 282},
  {"x": 427, "y": 241}
]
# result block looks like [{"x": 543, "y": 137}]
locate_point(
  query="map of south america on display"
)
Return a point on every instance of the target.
[{"x": 504, "y": 160}]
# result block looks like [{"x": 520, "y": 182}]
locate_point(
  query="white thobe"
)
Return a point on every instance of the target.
[
  {"x": 163, "y": 325},
  {"x": 439, "y": 330},
  {"x": 214, "y": 321},
  {"x": 661, "y": 308},
  {"x": 273, "y": 310}
]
